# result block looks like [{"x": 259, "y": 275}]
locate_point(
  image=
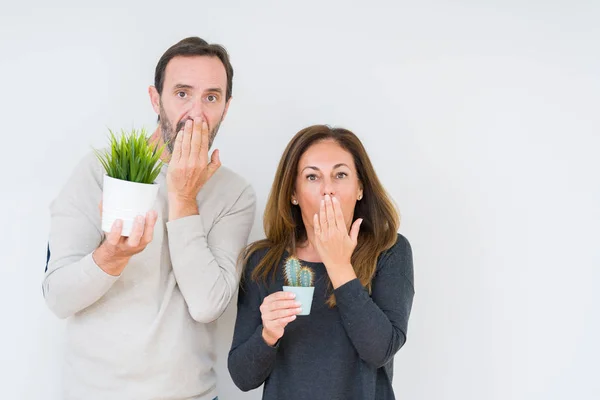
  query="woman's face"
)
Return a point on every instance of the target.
[{"x": 326, "y": 168}]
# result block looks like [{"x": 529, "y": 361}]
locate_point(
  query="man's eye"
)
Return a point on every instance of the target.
[
  {"x": 212, "y": 98},
  {"x": 181, "y": 95}
]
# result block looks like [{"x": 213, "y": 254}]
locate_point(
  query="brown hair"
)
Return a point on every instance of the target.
[
  {"x": 189, "y": 47},
  {"x": 283, "y": 224}
]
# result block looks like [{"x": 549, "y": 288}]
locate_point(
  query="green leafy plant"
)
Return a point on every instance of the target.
[
  {"x": 297, "y": 275},
  {"x": 131, "y": 157}
]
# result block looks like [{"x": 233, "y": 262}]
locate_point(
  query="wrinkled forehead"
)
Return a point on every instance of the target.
[{"x": 196, "y": 72}]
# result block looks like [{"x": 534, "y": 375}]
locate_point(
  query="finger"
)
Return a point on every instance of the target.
[
  {"x": 339, "y": 215},
  {"x": 176, "y": 156},
  {"x": 136, "y": 232},
  {"x": 354, "y": 230},
  {"x": 114, "y": 235},
  {"x": 100, "y": 207},
  {"x": 322, "y": 216},
  {"x": 283, "y": 304},
  {"x": 196, "y": 142},
  {"x": 316, "y": 225},
  {"x": 186, "y": 143},
  {"x": 284, "y": 321},
  {"x": 329, "y": 211},
  {"x": 288, "y": 319},
  {"x": 151, "y": 217},
  {"x": 281, "y": 295},
  {"x": 215, "y": 162},
  {"x": 204, "y": 144},
  {"x": 279, "y": 314}
]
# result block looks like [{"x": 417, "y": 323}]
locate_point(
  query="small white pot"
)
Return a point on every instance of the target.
[{"x": 125, "y": 200}]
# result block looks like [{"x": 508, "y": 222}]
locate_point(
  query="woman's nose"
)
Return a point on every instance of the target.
[{"x": 328, "y": 189}]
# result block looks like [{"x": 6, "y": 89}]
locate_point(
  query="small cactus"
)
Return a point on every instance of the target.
[
  {"x": 292, "y": 271},
  {"x": 306, "y": 277},
  {"x": 296, "y": 274}
]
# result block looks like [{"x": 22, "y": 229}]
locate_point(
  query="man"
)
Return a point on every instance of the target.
[{"x": 141, "y": 309}]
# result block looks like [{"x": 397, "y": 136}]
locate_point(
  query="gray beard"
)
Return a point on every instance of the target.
[{"x": 169, "y": 134}]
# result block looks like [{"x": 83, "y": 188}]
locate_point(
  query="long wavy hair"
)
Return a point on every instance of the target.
[{"x": 283, "y": 224}]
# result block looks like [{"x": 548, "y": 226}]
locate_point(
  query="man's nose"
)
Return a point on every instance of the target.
[{"x": 197, "y": 110}]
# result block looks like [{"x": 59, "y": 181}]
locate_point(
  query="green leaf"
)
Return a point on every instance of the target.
[{"x": 131, "y": 157}]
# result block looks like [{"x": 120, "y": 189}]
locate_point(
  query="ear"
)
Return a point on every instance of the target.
[
  {"x": 359, "y": 195},
  {"x": 154, "y": 99},
  {"x": 226, "y": 108}
]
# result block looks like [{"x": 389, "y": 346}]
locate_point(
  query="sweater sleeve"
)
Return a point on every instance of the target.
[
  {"x": 72, "y": 280},
  {"x": 205, "y": 263},
  {"x": 251, "y": 359},
  {"x": 377, "y": 324}
]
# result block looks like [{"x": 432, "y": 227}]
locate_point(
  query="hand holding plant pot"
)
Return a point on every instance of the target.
[
  {"x": 279, "y": 308},
  {"x": 132, "y": 165}
]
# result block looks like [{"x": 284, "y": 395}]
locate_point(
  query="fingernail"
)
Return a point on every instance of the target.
[
  {"x": 298, "y": 310},
  {"x": 139, "y": 219},
  {"x": 297, "y": 303},
  {"x": 292, "y": 295},
  {"x": 118, "y": 223}
]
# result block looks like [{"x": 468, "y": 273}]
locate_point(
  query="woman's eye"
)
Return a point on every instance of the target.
[
  {"x": 341, "y": 175},
  {"x": 311, "y": 177}
]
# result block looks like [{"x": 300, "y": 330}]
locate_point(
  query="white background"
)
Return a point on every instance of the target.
[{"x": 481, "y": 118}]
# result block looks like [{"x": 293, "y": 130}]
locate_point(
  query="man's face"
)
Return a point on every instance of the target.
[{"x": 193, "y": 87}]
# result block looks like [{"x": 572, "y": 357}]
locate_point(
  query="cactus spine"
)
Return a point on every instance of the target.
[{"x": 296, "y": 274}]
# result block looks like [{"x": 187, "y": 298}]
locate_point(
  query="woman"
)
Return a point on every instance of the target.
[{"x": 328, "y": 211}]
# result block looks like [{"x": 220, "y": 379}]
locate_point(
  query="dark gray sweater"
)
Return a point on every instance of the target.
[{"x": 345, "y": 352}]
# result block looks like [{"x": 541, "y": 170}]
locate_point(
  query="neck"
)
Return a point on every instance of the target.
[
  {"x": 306, "y": 250},
  {"x": 157, "y": 139}
]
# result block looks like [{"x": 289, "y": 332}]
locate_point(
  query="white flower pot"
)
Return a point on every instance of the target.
[
  {"x": 125, "y": 200},
  {"x": 304, "y": 295}
]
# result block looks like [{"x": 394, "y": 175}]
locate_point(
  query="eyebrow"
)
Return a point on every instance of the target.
[
  {"x": 317, "y": 169},
  {"x": 185, "y": 86}
]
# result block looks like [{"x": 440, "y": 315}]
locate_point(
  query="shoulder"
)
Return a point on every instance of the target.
[
  {"x": 229, "y": 187},
  {"x": 87, "y": 174},
  {"x": 83, "y": 187},
  {"x": 399, "y": 257},
  {"x": 254, "y": 254},
  {"x": 89, "y": 164},
  {"x": 232, "y": 180},
  {"x": 401, "y": 247}
]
